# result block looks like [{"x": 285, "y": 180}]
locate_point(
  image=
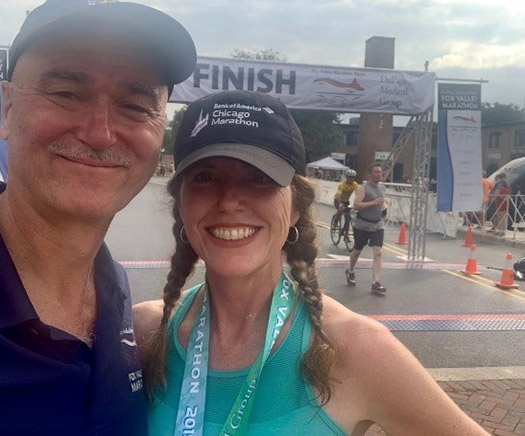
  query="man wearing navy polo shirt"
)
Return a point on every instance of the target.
[
  {"x": 3, "y": 153},
  {"x": 83, "y": 112}
]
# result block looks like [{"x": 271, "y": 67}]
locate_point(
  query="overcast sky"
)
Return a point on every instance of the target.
[{"x": 461, "y": 39}]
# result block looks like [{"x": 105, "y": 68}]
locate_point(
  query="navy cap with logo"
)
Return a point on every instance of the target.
[
  {"x": 249, "y": 126},
  {"x": 157, "y": 30}
]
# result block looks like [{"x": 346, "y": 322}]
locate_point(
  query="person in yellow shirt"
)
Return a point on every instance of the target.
[{"x": 342, "y": 196}]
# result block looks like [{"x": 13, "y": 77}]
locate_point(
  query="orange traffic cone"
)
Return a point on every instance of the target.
[
  {"x": 472, "y": 266},
  {"x": 507, "y": 275},
  {"x": 468, "y": 238},
  {"x": 402, "y": 239}
]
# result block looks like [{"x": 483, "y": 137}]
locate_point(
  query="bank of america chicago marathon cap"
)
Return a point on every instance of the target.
[
  {"x": 249, "y": 126},
  {"x": 157, "y": 30}
]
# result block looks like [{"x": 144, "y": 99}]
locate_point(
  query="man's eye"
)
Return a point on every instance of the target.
[
  {"x": 203, "y": 177},
  {"x": 136, "y": 108},
  {"x": 69, "y": 95}
]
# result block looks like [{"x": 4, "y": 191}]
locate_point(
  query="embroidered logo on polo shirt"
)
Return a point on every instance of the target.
[{"x": 127, "y": 338}]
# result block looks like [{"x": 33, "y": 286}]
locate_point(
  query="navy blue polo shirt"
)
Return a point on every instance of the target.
[{"x": 51, "y": 383}]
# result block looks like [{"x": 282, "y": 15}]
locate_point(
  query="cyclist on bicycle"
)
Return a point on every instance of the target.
[{"x": 342, "y": 196}]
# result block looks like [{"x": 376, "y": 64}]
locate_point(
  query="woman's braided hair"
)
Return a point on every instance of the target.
[{"x": 321, "y": 354}]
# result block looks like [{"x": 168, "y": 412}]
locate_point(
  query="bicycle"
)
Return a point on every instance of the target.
[{"x": 338, "y": 231}]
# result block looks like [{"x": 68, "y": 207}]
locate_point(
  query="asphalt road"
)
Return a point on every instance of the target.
[{"x": 446, "y": 319}]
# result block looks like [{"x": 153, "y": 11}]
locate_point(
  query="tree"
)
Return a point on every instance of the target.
[
  {"x": 265, "y": 54},
  {"x": 319, "y": 131},
  {"x": 171, "y": 131},
  {"x": 500, "y": 113},
  {"x": 317, "y": 127}
]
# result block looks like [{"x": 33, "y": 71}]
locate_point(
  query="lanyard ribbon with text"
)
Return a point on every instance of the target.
[{"x": 190, "y": 416}]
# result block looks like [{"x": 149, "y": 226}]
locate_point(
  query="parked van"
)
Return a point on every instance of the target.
[{"x": 515, "y": 171}]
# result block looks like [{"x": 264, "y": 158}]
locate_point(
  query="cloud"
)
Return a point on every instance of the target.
[
  {"x": 472, "y": 55},
  {"x": 462, "y": 38}
]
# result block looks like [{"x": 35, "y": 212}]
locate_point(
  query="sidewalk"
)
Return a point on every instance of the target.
[
  {"x": 511, "y": 238},
  {"x": 493, "y": 397}
]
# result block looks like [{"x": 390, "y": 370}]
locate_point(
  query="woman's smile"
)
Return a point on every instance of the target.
[{"x": 232, "y": 233}]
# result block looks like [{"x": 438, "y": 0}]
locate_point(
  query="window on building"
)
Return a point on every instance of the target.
[
  {"x": 395, "y": 138},
  {"x": 351, "y": 138},
  {"x": 351, "y": 161},
  {"x": 519, "y": 138},
  {"x": 494, "y": 138}
]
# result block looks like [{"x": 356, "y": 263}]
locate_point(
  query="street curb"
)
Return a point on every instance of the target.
[
  {"x": 479, "y": 373},
  {"x": 482, "y": 236}
]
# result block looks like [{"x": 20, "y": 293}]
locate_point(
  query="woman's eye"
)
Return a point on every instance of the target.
[{"x": 260, "y": 177}]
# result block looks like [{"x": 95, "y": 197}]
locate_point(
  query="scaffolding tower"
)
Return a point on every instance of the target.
[{"x": 419, "y": 126}]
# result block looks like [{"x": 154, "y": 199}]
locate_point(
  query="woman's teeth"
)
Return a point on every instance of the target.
[{"x": 230, "y": 234}]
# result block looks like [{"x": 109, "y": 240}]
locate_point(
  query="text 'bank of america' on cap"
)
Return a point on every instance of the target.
[
  {"x": 252, "y": 127},
  {"x": 157, "y": 30}
]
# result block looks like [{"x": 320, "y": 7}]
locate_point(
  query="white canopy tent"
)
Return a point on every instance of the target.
[
  {"x": 326, "y": 168},
  {"x": 327, "y": 163}
]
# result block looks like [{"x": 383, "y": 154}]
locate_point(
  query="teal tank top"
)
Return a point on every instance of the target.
[{"x": 285, "y": 402}]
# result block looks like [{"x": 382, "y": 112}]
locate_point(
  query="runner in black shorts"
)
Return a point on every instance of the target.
[
  {"x": 363, "y": 237},
  {"x": 368, "y": 225}
]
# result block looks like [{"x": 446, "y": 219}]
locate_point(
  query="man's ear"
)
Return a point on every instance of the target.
[{"x": 7, "y": 103}]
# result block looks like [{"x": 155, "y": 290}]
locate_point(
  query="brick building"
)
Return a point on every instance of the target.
[
  {"x": 502, "y": 143},
  {"x": 352, "y": 143}
]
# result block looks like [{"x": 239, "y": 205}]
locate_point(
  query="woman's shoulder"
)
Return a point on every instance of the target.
[
  {"x": 382, "y": 381},
  {"x": 146, "y": 319},
  {"x": 339, "y": 321},
  {"x": 148, "y": 315},
  {"x": 362, "y": 343}
]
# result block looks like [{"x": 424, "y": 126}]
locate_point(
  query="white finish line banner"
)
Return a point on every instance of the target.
[
  {"x": 459, "y": 187},
  {"x": 301, "y": 86}
]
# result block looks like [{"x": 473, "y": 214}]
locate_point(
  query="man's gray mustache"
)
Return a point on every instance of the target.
[{"x": 107, "y": 156}]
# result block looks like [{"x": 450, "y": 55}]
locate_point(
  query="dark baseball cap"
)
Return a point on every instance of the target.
[
  {"x": 156, "y": 30},
  {"x": 249, "y": 126}
]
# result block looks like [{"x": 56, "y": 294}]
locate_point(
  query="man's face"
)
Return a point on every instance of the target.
[
  {"x": 85, "y": 119},
  {"x": 375, "y": 175}
]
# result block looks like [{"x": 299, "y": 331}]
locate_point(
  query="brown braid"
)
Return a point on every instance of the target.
[
  {"x": 182, "y": 266},
  {"x": 321, "y": 355}
]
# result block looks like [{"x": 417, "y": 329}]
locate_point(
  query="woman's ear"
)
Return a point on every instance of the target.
[{"x": 295, "y": 217}]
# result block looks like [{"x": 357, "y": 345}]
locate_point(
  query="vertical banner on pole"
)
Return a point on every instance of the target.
[{"x": 459, "y": 166}]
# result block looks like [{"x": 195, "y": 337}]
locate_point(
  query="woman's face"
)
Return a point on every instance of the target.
[{"x": 235, "y": 217}]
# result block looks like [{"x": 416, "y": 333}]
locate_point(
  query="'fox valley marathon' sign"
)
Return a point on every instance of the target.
[
  {"x": 459, "y": 148},
  {"x": 314, "y": 87}
]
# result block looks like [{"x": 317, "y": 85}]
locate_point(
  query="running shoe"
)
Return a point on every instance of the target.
[
  {"x": 378, "y": 287},
  {"x": 350, "y": 277}
]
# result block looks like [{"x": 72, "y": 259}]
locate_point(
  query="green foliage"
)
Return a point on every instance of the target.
[
  {"x": 266, "y": 54},
  {"x": 500, "y": 113},
  {"x": 320, "y": 134},
  {"x": 171, "y": 130}
]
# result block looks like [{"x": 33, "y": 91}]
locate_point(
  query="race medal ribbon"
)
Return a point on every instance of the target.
[{"x": 190, "y": 416}]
